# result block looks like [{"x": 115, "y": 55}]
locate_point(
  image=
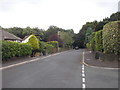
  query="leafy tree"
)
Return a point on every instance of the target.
[
  {"x": 67, "y": 38},
  {"x": 115, "y": 16},
  {"x": 34, "y": 43}
]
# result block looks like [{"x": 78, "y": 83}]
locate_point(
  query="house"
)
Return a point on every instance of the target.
[
  {"x": 26, "y": 39},
  {"x": 4, "y": 35}
]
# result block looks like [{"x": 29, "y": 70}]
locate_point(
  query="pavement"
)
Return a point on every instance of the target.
[
  {"x": 91, "y": 61},
  {"x": 61, "y": 70}
]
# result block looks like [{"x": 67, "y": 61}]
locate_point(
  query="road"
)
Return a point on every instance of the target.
[{"x": 62, "y": 70}]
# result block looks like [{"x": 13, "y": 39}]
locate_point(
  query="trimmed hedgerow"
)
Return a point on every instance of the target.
[
  {"x": 111, "y": 35},
  {"x": 13, "y": 49},
  {"x": 54, "y": 43},
  {"x": 49, "y": 48},
  {"x": 92, "y": 41},
  {"x": 99, "y": 41},
  {"x": 46, "y": 46}
]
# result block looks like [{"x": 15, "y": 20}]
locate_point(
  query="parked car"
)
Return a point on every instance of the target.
[{"x": 76, "y": 48}]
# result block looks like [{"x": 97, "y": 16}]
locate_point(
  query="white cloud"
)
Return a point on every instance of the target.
[{"x": 66, "y": 14}]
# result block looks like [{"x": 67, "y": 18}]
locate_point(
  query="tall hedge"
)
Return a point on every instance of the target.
[
  {"x": 46, "y": 46},
  {"x": 34, "y": 42},
  {"x": 99, "y": 41},
  {"x": 111, "y": 37},
  {"x": 92, "y": 41},
  {"x": 14, "y": 49}
]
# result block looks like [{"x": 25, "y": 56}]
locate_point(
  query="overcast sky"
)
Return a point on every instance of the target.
[{"x": 66, "y": 14}]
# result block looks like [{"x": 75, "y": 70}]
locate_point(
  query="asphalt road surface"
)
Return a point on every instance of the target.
[{"x": 63, "y": 70}]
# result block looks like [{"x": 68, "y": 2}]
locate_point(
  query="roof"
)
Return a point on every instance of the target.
[
  {"x": 8, "y": 36},
  {"x": 26, "y": 37}
]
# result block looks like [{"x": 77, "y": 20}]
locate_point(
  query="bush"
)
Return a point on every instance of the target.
[
  {"x": 110, "y": 37},
  {"x": 49, "y": 48},
  {"x": 88, "y": 45},
  {"x": 54, "y": 43},
  {"x": 42, "y": 45},
  {"x": 14, "y": 49},
  {"x": 34, "y": 42},
  {"x": 99, "y": 41},
  {"x": 46, "y": 46},
  {"x": 92, "y": 41}
]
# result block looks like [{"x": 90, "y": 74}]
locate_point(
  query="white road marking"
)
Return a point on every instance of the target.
[
  {"x": 83, "y": 71},
  {"x": 83, "y": 65},
  {"x": 83, "y": 86},
  {"x": 83, "y": 75},
  {"x": 83, "y": 79}
]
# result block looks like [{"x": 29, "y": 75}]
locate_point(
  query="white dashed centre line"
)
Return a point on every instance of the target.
[
  {"x": 83, "y": 72},
  {"x": 83, "y": 75},
  {"x": 83, "y": 86},
  {"x": 83, "y": 79}
]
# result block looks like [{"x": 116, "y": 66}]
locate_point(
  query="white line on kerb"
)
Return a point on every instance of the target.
[{"x": 29, "y": 61}]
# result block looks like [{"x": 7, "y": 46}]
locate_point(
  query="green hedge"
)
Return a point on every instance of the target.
[
  {"x": 99, "y": 41},
  {"x": 54, "y": 43},
  {"x": 14, "y": 49},
  {"x": 111, "y": 35},
  {"x": 92, "y": 41},
  {"x": 47, "y": 46}
]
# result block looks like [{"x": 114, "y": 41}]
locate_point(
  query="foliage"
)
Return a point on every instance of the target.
[
  {"x": 34, "y": 42},
  {"x": 54, "y": 43},
  {"x": 111, "y": 36},
  {"x": 67, "y": 38},
  {"x": 55, "y": 37},
  {"x": 49, "y": 48},
  {"x": 92, "y": 41},
  {"x": 99, "y": 41},
  {"x": 22, "y": 32},
  {"x": 14, "y": 49},
  {"x": 115, "y": 16},
  {"x": 88, "y": 45},
  {"x": 46, "y": 46}
]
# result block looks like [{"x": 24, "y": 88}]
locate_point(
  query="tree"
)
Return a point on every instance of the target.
[
  {"x": 67, "y": 38},
  {"x": 34, "y": 43}
]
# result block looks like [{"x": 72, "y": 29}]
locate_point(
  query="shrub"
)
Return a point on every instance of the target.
[
  {"x": 110, "y": 37},
  {"x": 99, "y": 41},
  {"x": 92, "y": 41},
  {"x": 42, "y": 45},
  {"x": 34, "y": 42},
  {"x": 14, "y": 49},
  {"x": 88, "y": 46},
  {"x": 49, "y": 48},
  {"x": 54, "y": 43}
]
